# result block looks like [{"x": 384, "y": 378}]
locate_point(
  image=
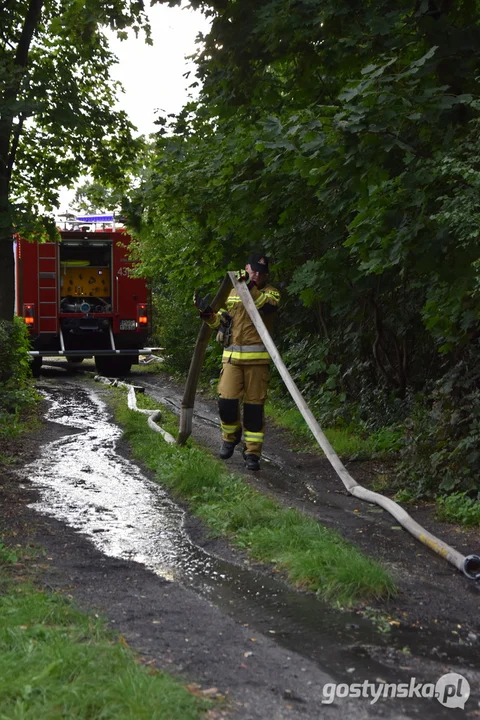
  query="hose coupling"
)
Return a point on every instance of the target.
[{"x": 471, "y": 567}]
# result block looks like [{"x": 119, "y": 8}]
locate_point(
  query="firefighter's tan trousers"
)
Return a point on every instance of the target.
[{"x": 250, "y": 384}]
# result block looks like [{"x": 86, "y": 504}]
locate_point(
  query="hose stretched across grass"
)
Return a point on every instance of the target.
[
  {"x": 152, "y": 415},
  {"x": 469, "y": 565}
]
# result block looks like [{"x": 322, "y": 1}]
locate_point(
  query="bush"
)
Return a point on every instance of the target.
[
  {"x": 16, "y": 389},
  {"x": 459, "y": 508},
  {"x": 441, "y": 453}
]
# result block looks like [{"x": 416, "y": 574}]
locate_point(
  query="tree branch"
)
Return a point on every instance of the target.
[
  {"x": 16, "y": 134},
  {"x": 32, "y": 17},
  {"x": 31, "y": 21},
  {"x": 377, "y": 346},
  {"x": 322, "y": 320}
]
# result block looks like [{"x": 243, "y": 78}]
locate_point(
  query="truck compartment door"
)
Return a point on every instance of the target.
[{"x": 47, "y": 288}]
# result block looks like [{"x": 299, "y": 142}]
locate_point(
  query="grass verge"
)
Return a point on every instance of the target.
[
  {"x": 12, "y": 427},
  {"x": 313, "y": 557},
  {"x": 56, "y": 662},
  {"x": 459, "y": 508},
  {"x": 345, "y": 441}
]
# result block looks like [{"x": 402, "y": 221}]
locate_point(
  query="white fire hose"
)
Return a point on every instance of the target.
[
  {"x": 153, "y": 415},
  {"x": 469, "y": 565}
]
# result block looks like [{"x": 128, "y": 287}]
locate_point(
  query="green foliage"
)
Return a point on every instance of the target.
[
  {"x": 174, "y": 273},
  {"x": 7, "y": 555},
  {"x": 442, "y": 445},
  {"x": 348, "y": 442},
  {"x": 58, "y": 110},
  {"x": 17, "y": 392},
  {"x": 58, "y": 119},
  {"x": 459, "y": 508},
  {"x": 345, "y": 142},
  {"x": 94, "y": 197}
]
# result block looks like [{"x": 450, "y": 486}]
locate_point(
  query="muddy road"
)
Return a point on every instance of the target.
[{"x": 120, "y": 546}]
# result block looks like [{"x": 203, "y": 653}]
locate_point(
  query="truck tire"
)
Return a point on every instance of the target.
[
  {"x": 36, "y": 364},
  {"x": 112, "y": 366}
]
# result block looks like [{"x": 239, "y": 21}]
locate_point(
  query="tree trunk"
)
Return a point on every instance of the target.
[
  {"x": 9, "y": 138},
  {"x": 7, "y": 278}
]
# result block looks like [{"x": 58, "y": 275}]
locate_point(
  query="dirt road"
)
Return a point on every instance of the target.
[{"x": 118, "y": 545}]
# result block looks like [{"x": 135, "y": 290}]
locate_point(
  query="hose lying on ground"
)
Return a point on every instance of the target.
[
  {"x": 153, "y": 415},
  {"x": 469, "y": 565},
  {"x": 148, "y": 359},
  {"x": 115, "y": 382}
]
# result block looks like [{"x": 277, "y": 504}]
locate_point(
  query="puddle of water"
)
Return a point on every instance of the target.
[{"x": 83, "y": 482}]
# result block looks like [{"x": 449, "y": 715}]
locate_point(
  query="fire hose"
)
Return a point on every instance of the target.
[
  {"x": 152, "y": 415},
  {"x": 469, "y": 564}
]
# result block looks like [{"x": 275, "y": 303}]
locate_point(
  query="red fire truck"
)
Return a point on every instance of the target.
[{"x": 79, "y": 299}]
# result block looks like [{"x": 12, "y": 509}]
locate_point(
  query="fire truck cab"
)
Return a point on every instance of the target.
[{"x": 79, "y": 299}]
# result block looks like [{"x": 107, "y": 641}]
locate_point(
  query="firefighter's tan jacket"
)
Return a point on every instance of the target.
[{"x": 245, "y": 346}]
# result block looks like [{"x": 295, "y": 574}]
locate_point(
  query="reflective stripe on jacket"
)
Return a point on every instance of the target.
[
  {"x": 245, "y": 352},
  {"x": 246, "y": 344}
]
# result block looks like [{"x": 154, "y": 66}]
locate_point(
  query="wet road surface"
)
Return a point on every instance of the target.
[{"x": 84, "y": 482}]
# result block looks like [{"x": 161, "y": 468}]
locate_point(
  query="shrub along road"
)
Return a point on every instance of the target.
[{"x": 267, "y": 671}]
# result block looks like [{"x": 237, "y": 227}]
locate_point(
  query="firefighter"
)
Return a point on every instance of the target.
[{"x": 245, "y": 363}]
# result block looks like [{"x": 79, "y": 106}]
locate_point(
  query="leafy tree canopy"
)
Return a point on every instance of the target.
[
  {"x": 93, "y": 197},
  {"x": 342, "y": 137},
  {"x": 58, "y": 119},
  {"x": 57, "y": 109}
]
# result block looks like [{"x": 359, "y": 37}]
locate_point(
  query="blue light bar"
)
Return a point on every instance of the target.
[{"x": 96, "y": 218}]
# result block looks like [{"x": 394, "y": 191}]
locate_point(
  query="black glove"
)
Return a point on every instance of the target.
[
  {"x": 207, "y": 314},
  {"x": 203, "y": 305}
]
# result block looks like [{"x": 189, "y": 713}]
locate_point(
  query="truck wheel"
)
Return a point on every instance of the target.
[
  {"x": 36, "y": 364},
  {"x": 102, "y": 364},
  {"x": 113, "y": 366}
]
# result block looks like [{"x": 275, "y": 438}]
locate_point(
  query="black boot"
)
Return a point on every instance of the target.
[
  {"x": 252, "y": 462},
  {"x": 227, "y": 448}
]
